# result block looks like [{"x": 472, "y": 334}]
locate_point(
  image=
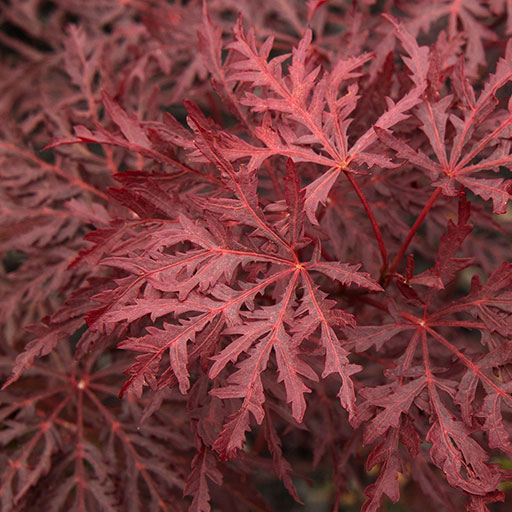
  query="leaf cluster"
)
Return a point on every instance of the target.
[{"x": 247, "y": 243}]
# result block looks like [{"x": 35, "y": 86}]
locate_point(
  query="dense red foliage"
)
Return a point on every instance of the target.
[{"x": 246, "y": 242}]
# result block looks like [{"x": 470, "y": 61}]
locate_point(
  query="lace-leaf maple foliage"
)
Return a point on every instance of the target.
[{"x": 256, "y": 245}]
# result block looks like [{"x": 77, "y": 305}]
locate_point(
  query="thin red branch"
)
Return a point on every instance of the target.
[
  {"x": 371, "y": 217},
  {"x": 413, "y": 230}
]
